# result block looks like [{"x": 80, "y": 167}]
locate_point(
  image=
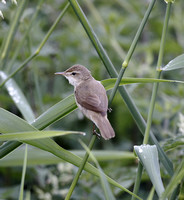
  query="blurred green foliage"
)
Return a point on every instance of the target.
[{"x": 115, "y": 23}]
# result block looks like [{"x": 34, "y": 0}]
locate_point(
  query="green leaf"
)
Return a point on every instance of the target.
[
  {"x": 105, "y": 185},
  {"x": 175, "y": 180},
  {"x": 109, "y": 83},
  {"x": 10, "y": 123},
  {"x": 17, "y": 124},
  {"x": 39, "y": 157},
  {"x": 148, "y": 156},
  {"x": 176, "y": 63},
  {"x": 56, "y": 112},
  {"x": 174, "y": 142},
  {"x": 18, "y": 97},
  {"x": 32, "y": 135}
]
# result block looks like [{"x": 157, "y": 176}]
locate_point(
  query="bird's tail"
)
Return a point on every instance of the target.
[{"x": 105, "y": 128}]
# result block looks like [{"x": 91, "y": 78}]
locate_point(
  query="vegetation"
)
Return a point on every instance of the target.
[{"x": 141, "y": 40}]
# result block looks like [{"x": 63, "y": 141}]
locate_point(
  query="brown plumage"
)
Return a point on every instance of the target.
[{"x": 90, "y": 97}]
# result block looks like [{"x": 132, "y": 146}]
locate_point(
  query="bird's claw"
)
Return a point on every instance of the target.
[
  {"x": 109, "y": 110},
  {"x": 97, "y": 134}
]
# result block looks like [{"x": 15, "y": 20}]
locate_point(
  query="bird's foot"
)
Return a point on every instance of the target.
[
  {"x": 97, "y": 134},
  {"x": 109, "y": 110}
]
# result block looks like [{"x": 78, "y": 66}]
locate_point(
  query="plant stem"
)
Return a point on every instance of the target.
[
  {"x": 164, "y": 32},
  {"x": 151, "y": 109},
  {"x": 40, "y": 46},
  {"x": 158, "y": 73},
  {"x": 21, "y": 192},
  {"x": 132, "y": 48},
  {"x": 25, "y": 35},
  {"x": 114, "y": 90},
  {"x": 139, "y": 31},
  {"x": 154, "y": 92},
  {"x": 75, "y": 180},
  {"x": 13, "y": 28},
  {"x": 138, "y": 179}
]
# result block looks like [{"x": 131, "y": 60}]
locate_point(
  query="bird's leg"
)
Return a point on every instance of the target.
[
  {"x": 109, "y": 110},
  {"x": 95, "y": 131}
]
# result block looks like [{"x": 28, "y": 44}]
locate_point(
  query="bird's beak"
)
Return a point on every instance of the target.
[{"x": 60, "y": 73}]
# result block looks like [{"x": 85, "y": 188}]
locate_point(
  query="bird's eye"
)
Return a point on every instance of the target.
[{"x": 73, "y": 73}]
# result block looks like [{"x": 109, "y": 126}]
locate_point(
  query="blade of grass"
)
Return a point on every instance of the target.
[
  {"x": 21, "y": 192},
  {"x": 158, "y": 74},
  {"x": 40, "y": 46},
  {"x": 131, "y": 49},
  {"x": 40, "y": 157},
  {"x": 18, "y": 48},
  {"x": 111, "y": 37},
  {"x": 175, "y": 180},
  {"x": 81, "y": 167},
  {"x": 105, "y": 185},
  {"x": 13, "y": 28},
  {"x": 18, "y": 98},
  {"x": 17, "y": 124},
  {"x": 55, "y": 112},
  {"x": 35, "y": 135},
  {"x": 110, "y": 83},
  {"x": 176, "y": 63},
  {"x": 113, "y": 73},
  {"x": 151, "y": 194}
]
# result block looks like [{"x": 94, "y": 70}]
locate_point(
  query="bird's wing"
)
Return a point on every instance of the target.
[{"x": 90, "y": 101}]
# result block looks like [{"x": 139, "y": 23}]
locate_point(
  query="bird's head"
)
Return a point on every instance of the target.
[{"x": 76, "y": 74}]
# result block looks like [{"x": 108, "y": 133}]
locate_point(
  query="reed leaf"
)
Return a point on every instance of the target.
[
  {"x": 35, "y": 135},
  {"x": 176, "y": 63},
  {"x": 47, "y": 144}
]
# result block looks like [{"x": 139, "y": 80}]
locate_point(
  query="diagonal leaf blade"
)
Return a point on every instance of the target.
[
  {"x": 35, "y": 135},
  {"x": 176, "y": 63},
  {"x": 40, "y": 157},
  {"x": 46, "y": 144},
  {"x": 18, "y": 97},
  {"x": 109, "y": 83},
  {"x": 56, "y": 112},
  {"x": 105, "y": 185}
]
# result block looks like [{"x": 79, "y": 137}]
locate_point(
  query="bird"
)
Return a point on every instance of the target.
[{"x": 91, "y": 98}]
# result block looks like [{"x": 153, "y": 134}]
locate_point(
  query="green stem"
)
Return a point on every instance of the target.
[
  {"x": 155, "y": 89},
  {"x": 151, "y": 109},
  {"x": 18, "y": 69},
  {"x": 94, "y": 39},
  {"x": 114, "y": 90},
  {"x": 40, "y": 46},
  {"x": 75, "y": 180},
  {"x": 138, "y": 179},
  {"x": 139, "y": 32},
  {"x": 11, "y": 34},
  {"x": 25, "y": 35},
  {"x": 164, "y": 32},
  {"x": 21, "y": 193},
  {"x": 132, "y": 48},
  {"x": 158, "y": 74}
]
